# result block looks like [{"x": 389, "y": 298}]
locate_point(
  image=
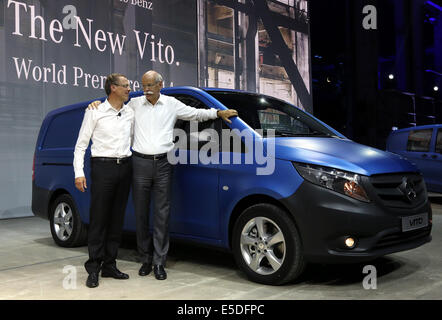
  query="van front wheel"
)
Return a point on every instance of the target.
[
  {"x": 267, "y": 246},
  {"x": 67, "y": 228}
]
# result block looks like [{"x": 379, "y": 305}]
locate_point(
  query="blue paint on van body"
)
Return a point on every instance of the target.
[{"x": 207, "y": 199}]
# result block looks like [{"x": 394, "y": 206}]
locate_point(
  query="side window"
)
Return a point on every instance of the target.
[
  {"x": 200, "y": 138},
  {"x": 419, "y": 140},
  {"x": 193, "y": 129},
  {"x": 439, "y": 141},
  {"x": 63, "y": 130}
]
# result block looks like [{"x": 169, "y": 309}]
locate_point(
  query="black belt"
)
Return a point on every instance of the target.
[
  {"x": 150, "y": 156},
  {"x": 107, "y": 159}
]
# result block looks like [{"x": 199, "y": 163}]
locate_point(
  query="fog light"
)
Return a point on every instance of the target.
[{"x": 350, "y": 242}]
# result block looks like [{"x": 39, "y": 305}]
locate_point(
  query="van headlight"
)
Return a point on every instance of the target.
[{"x": 340, "y": 181}]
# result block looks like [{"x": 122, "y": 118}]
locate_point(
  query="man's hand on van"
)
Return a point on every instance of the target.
[
  {"x": 94, "y": 104},
  {"x": 226, "y": 114},
  {"x": 80, "y": 183}
]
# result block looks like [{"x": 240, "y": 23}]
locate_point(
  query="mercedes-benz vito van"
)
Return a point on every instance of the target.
[{"x": 320, "y": 197}]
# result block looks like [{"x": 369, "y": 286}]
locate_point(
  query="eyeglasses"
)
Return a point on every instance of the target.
[{"x": 122, "y": 85}]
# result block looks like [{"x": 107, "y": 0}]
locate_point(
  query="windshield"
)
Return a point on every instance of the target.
[{"x": 264, "y": 112}]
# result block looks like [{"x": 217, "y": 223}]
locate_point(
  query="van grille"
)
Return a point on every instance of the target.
[
  {"x": 403, "y": 190},
  {"x": 402, "y": 237}
]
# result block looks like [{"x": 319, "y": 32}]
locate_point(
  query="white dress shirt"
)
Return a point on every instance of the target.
[
  {"x": 154, "y": 124},
  {"x": 111, "y": 132}
]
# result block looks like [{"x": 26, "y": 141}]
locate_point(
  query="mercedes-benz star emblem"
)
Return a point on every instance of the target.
[{"x": 408, "y": 189}]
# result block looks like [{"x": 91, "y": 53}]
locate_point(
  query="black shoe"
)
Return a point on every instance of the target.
[
  {"x": 114, "y": 273},
  {"x": 159, "y": 272},
  {"x": 145, "y": 269},
  {"x": 92, "y": 280}
]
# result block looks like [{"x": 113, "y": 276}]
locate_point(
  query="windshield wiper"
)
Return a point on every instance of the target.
[
  {"x": 288, "y": 133},
  {"x": 319, "y": 133},
  {"x": 284, "y": 133},
  {"x": 325, "y": 134}
]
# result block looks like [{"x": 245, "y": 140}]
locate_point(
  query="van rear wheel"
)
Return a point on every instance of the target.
[
  {"x": 267, "y": 245},
  {"x": 67, "y": 229}
]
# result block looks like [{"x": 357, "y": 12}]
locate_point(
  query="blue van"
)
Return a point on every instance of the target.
[
  {"x": 327, "y": 199},
  {"x": 421, "y": 145}
]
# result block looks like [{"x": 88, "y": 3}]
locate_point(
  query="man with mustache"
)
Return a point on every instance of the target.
[{"x": 155, "y": 117}]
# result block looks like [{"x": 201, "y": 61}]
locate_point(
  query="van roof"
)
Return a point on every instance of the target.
[
  {"x": 427, "y": 126},
  {"x": 134, "y": 94}
]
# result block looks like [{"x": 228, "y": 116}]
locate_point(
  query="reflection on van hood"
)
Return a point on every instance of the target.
[{"x": 341, "y": 154}]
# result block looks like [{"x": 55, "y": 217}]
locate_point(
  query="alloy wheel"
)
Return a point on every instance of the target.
[
  {"x": 263, "y": 246},
  {"x": 63, "y": 221}
]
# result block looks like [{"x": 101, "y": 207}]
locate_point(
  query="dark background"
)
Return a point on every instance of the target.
[{"x": 351, "y": 66}]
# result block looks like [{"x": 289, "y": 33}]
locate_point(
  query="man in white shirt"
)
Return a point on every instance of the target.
[
  {"x": 155, "y": 117},
  {"x": 110, "y": 127}
]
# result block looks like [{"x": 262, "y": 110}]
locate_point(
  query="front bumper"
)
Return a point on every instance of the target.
[{"x": 325, "y": 218}]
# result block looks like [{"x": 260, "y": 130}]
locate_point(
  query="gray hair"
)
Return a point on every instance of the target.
[{"x": 158, "y": 77}]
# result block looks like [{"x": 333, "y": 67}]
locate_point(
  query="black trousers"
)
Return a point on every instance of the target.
[
  {"x": 110, "y": 188},
  {"x": 152, "y": 180}
]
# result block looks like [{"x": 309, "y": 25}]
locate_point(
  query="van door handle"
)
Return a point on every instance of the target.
[
  {"x": 434, "y": 156},
  {"x": 424, "y": 156}
]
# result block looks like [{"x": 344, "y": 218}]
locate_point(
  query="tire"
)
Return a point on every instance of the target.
[
  {"x": 267, "y": 246},
  {"x": 67, "y": 229}
]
